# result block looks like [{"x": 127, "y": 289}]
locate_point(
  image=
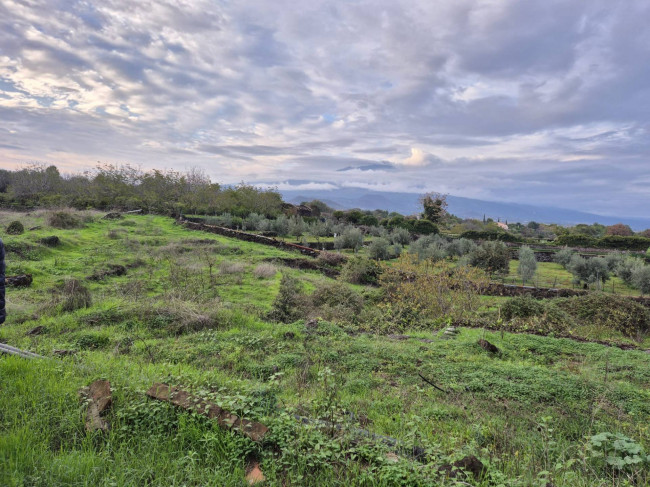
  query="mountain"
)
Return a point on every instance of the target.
[{"x": 407, "y": 204}]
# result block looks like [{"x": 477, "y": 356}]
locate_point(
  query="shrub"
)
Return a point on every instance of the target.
[
  {"x": 525, "y": 313},
  {"x": 92, "y": 341},
  {"x": 51, "y": 241},
  {"x": 336, "y": 301},
  {"x": 493, "y": 257},
  {"x": 334, "y": 259},
  {"x": 575, "y": 240},
  {"x": 360, "y": 270},
  {"x": 425, "y": 227},
  {"x": 74, "y": 296},
  {"x": 491, "y": 235},
  {"x": 64, "y": 219},
  {"x": 563, "y": 257},
  {"x": 289, "y": 303},
  {"x": 418, "y": 291},
  {"x": 226, "y": 267},
  {"x": 265, "y": 271},
  {"x": 15, "y": 228},
  {"x": 624, "y": 243},
  {"x": 527, "y": 264},
  {"x": 610, "y": 311}
]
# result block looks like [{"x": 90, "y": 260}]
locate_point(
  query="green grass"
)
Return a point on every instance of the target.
[
  {"x": 527, "y": 411},
  {"x": 551, "y": 274}
]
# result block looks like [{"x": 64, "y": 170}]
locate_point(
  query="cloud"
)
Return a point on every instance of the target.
[{"x": 502, "y": 100}]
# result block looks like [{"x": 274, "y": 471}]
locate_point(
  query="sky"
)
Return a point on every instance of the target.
[{"x": 542, "y": 102}]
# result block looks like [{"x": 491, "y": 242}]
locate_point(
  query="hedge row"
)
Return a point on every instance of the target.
[{"x": 617, "y": 242}]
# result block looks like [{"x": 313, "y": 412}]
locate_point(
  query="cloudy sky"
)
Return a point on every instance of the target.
[{"x": 542, "y": 102}]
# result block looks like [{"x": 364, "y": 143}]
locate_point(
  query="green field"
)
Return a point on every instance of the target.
[{"x": 191, "y": 310}]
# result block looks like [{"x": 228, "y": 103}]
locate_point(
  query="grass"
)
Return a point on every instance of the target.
[
  {"x": 176, "y": 317},
  {"x": 551, "y": 274}
]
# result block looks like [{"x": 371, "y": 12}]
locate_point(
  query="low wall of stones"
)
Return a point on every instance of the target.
[
  {"x": 512, "y": 290},
  {"x": 249, "y": 237}
]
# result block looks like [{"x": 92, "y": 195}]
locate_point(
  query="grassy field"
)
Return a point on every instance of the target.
[
  {"x": 191, "y": 310},
  {"x": 550, "y": 274}
]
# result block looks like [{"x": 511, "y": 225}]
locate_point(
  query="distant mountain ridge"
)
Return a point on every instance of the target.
[{"x": 407, "y": 203}]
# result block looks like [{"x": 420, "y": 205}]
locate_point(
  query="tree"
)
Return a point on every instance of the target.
[
  {"x": 588, "y": 271},
  {"x": 425, "y": 227},
  {"x": 527, "y": 264},
  {"x": 619, "y": 229},
  {"x": 492, "y": 256},
  {"x": 434, "y": 206},
  {"x": 641, "y": 279}
]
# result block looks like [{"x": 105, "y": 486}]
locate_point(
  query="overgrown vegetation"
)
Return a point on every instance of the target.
[{"x": 230, "y": 322}]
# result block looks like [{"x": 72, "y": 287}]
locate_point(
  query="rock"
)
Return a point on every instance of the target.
[
  {"x": 99, "y": 398},
  {"x": 24, "y": 280},
  {"x": 36, "y": 331},
  {"x": 37, "y": 227},
  {"x": 112, "y": 216},
  {"x": 251, "y": 429},
  {"x": 254, "y": 475},
  {"x": 487, "y": 346},
  {"x": 112, "y": 271},
  {"x": 51, "y": 241}
]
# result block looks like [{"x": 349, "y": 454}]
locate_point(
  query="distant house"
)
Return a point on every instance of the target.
[{"x": 502, "y": 225}]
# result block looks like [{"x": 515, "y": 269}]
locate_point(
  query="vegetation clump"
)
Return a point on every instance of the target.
[
  {"x": 609, "y": 311},
  {"x": 64, "y": 220},
  {"x": 360, "y": 270},
  {"x": 289, "y": 304},
  {"x": 15, "y": 228},
  {"x": 74, "y": 295}
]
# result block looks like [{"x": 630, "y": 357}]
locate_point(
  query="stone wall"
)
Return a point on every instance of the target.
[{"x": 249, "y": 237}]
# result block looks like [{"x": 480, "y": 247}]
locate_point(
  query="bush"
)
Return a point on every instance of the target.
[
  {"x": 624, "y": 243},
  {"x": 417, "y": 292},
  {"x": 360, "y": 270},
  {"x": 575, "y": 240},
  {"x": 609, "y": 311},
  {"x": 64, "y": 219},
  {"x": 289, "y": 303},
  {"x": 425, "y": 227},
  {"x": 265, "y": 271},
  {"x": 333, "y": 259},
  {"x": 522, "y": 307},
  {"x": 92, "y": 341},
  {"x": 459, "y": 247},
  {"x": 525, "y": 313},
  {"x": 15, "y": 228},
  {"x": 74, "y": 296},
  {"x": 493, "y": 257},
  {"x": 226, "y": 267},
  {"x": 491, "y": 235},
  {"x": 335, "y": 301}
]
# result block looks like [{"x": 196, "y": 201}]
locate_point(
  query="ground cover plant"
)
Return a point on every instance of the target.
[{"x": 200, "y": 311}]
